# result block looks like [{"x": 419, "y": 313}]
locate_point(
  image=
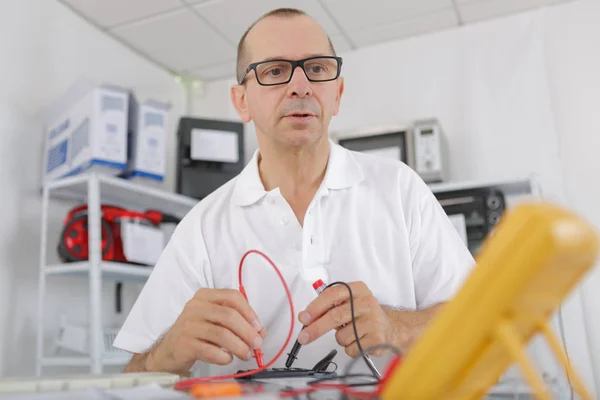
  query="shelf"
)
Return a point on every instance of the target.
[
  {"x": 96, "y": 189},
  {"x": 83, "y": 361},
  {"x": 110, "y": 270},
  {"x": 122, "y": 192},
  {"x": 509, "y": 187}
]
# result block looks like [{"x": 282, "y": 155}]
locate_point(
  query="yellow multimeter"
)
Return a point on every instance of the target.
[{"x": 536, "y": 256}]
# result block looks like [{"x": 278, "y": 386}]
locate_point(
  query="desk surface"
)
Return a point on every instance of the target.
[{"x": 153, "y": 391}]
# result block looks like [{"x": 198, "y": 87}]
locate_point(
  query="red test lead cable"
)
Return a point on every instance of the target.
[{"x": 188, "y": 383}]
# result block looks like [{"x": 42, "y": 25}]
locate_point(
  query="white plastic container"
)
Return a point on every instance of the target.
[{"x": 77, "y": 338}]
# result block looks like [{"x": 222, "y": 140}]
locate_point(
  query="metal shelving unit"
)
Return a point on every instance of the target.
[
  {"x": 526, "y": 185},
  {"x": 96, "y": 189},
  {"x": 110, "y": 270}
]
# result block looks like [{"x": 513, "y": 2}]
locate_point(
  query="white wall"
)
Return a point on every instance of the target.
[
  {"x": 516, "y": 96},
  {"x": 44, "y": 48},
  {"x": 573, "y": 61}
]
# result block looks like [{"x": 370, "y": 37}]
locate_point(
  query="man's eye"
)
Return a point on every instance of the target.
[
  {"x": 316, "y": 69},
  {"x": 274, "y": 71}
]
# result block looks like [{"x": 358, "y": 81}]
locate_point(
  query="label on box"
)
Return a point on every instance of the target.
[
  {"x": 141, "y": 243},
  {"x": 214, "y": 145},
  {"x": 151, "y": 143}
]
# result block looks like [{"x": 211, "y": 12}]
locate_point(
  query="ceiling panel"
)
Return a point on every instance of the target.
[
  {"x": 340, "y": 43},
  {"x": 385, "y": 32},
  {"x": 217, "y": 71},
  {"x": 107, "y": 13},
  {"x": 234, "y": 17},
  {"x": 486, "y": 9},
  {"x": 360, "y": 14},
  {"x": 468, "y": 1},
  {"x": 200, "y": 36},
  {"x": 179, "y": 40},
  {"x": 530, "y": 3}
]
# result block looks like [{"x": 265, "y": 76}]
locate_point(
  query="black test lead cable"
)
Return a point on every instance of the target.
[
  {"x": 364, "y": 355},
  {"x": 293, "y": 355},
  {"x": 319, "y": 286}
]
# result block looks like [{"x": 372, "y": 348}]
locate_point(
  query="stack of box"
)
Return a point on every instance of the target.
[{"x": 104, "y": 129}]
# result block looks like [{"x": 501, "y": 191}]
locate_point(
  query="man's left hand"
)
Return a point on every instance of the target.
[{"x": 331, "y": 310}]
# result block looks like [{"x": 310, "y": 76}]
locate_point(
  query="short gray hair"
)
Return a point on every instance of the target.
[{"x": 242, "y": 55}]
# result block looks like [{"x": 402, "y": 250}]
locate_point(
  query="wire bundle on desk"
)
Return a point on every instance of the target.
[
  {"x": 314, "y": 385},
  {"x": 188, "y": 383}
]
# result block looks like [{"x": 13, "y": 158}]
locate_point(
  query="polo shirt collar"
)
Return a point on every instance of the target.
[{"x": 342, "y": 172}]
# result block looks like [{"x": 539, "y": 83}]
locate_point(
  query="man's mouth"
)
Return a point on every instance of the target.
[{"x": 300, "y": 116}]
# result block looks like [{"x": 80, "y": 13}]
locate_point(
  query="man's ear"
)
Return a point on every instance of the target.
[
  {"x": 239, "y": 100},
  {"x": 338, "y": 98}
]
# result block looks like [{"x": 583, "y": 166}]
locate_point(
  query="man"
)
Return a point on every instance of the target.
[{"x": 318, "y": 210}]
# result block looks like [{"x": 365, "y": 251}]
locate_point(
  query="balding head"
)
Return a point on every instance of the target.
[
  {"x": 243, "y": 50},
  {"x": 291, "y": 107}
]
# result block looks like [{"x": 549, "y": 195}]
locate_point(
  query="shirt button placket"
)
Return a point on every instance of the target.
[{"x": 307, "y": 237}]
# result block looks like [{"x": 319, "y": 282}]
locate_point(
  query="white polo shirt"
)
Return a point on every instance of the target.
[{"x": 372, "y": 220}]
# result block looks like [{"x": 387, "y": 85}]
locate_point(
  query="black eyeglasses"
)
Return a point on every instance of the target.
[{"x": 279, "y": 72}]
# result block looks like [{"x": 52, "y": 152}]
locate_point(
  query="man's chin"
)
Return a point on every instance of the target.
[{"x": 300, "y": 137}]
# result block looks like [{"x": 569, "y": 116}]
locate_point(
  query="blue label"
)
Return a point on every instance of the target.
[
  {"x": 59, "y": 129},
  {"x": 57, "y": 156},
  {"x": 153, "y": 119},
  {"x": 111, "y": 128}
]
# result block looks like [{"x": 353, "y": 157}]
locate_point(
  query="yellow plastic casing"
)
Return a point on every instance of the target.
[{"x": 536, "y": 256}]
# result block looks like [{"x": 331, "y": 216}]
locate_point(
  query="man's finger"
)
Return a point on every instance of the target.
[
  {"x": 210, "y": 353},
  {"x": 369, "y": 333},
  {"x": 345, "y": 336},
  {"x": 366, "y": 341},
  {"x": 234, "y": 299},
  {"x": 332, "y": 296},
  {"x": 225, "y": 339},
  {"x": 333, "y": 319},
  {"x": 231, "y": 319}
]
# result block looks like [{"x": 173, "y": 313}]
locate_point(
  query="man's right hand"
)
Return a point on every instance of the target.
[{"x": 214, "y": 326}]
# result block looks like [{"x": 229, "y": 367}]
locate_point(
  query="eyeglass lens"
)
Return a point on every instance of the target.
[{"x": 317, "y": 69}]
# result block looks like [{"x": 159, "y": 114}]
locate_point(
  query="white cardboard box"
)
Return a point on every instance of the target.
[
  {"x": 147, "y": 140},
  {"x": 87, "y": 131}
]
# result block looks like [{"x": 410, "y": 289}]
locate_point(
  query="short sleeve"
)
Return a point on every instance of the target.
[
  {"x": 441, "y": 260},
  {"x": 176, "y": 277}
]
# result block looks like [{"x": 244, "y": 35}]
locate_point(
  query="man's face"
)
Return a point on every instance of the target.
[{"x": 296, "y": 113}]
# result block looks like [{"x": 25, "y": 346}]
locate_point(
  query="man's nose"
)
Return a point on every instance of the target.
[{"x": 299, "y": 85}]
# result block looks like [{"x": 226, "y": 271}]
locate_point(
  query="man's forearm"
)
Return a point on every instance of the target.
[
  {"x": 141, "y": 363},
  {"x": 138, "y": 363},
  {"x": 144, "y": 363},
  {"x": 407, "y": 326}
]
